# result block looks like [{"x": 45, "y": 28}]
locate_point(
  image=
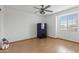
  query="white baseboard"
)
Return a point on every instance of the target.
[{"x": 63, "y": 38}]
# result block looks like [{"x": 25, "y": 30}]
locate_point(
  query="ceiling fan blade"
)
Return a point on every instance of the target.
[
  {"x": 36, "y": 12},
  {"x": 36, "y": 8},
  {"x": 42, "y": 6},
  {"x": 39, "y": 12},
  {"x": 49, "y": 10},
  {"x": 47, "y": 6},
  {"x": 0, "y": 9}
]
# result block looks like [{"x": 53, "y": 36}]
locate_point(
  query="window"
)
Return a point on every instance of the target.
[
  {"x": 63, "y": 23},
  {"x": 69, "y": 22}
]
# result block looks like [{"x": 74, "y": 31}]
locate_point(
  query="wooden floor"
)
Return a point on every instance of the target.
[{"x": 46, "y": 45}]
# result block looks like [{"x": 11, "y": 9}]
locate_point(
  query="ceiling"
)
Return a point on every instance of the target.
[{"x": 29, "y": 8}]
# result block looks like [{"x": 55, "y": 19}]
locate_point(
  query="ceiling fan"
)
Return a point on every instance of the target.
[{"x": 43, "y": 9}]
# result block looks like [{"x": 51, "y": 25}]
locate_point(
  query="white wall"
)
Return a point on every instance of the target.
[
  {"x": 0, "y": 26},
  {"x": 1, "y": 22},
  {"x": 51, "y": 20},
  {"x": 19, "y": 24},
  {"x": 51, "y": 27}
]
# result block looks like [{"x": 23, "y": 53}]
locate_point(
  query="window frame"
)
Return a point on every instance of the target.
[{"x": 67, "y": 21}]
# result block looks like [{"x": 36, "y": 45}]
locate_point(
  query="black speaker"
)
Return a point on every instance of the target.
[{"x": 41, "y": 30}]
